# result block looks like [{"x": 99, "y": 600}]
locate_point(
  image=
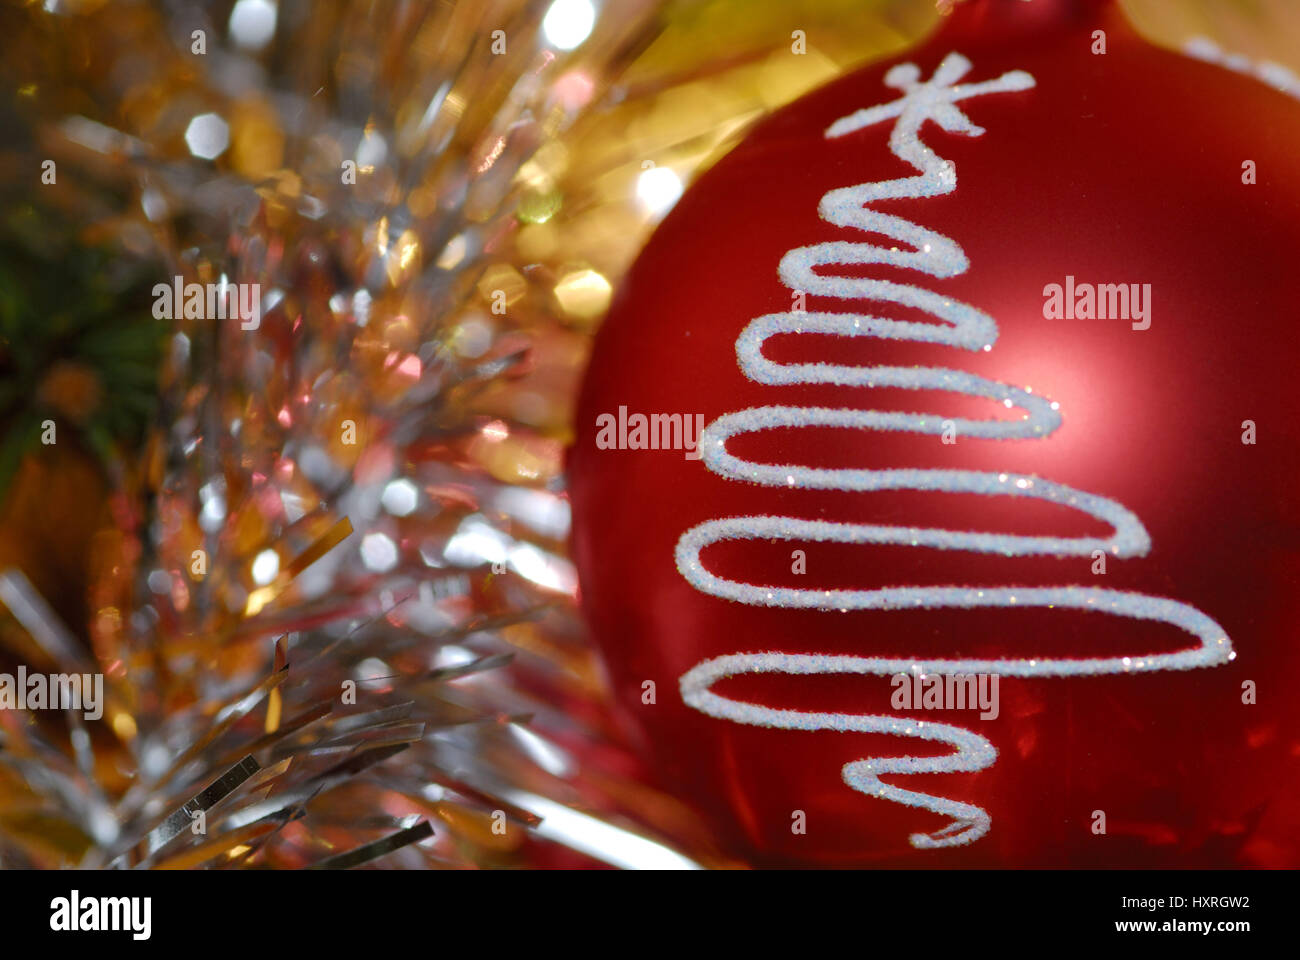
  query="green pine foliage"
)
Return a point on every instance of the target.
[{"x": 65, "y": 306}]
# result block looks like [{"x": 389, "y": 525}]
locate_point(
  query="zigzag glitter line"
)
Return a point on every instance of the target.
[{"x": 964, "y": 327}]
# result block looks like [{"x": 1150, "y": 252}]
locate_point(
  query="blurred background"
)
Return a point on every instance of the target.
[{"x": 437, "y": 200}]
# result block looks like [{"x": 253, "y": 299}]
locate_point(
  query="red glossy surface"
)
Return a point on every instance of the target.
[{"x": 1117, "y": 168}]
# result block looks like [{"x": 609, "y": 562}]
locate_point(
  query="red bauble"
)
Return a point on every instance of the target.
[{"x": 1123, "y": 167}]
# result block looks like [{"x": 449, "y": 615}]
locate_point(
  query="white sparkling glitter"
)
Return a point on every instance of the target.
[
  {"x": 1275, "y": 75},
  {"x": 252, "y": 23},
  {"x": 207, "y": 136},
  {"x": 400, "y": 497},
  {"x": 657, "y": 189},
  {"x": 568, "y": 23},
  {"x": 266, "y": 567},
  {"x": 963, "y": 327},
  {"x": 378, "y": 552}
]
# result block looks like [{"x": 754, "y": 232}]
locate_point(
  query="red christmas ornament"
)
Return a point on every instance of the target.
[{"x": 992, "y": 350}]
